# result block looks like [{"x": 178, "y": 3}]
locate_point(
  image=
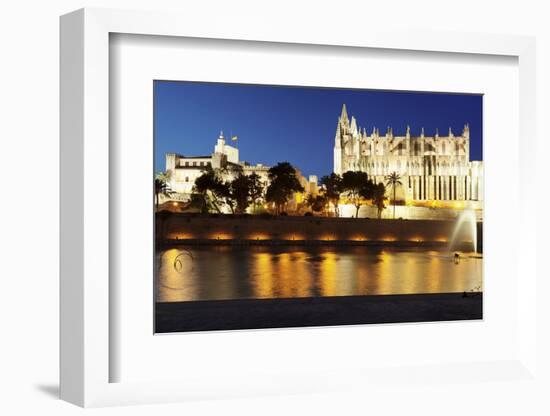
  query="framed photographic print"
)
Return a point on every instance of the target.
[
  {"x": 301, "y": 216},
  {"x": 244, "y": 215}
]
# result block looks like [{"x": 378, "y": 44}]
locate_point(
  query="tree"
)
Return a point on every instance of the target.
[
  {"x": 393, "y": 179},
  {"x": 239, "y": 190},
  {"x": 378, "y": 197},
  {"x": 333, "y": 189},
  {"x": 317, "y": 203},
  {"x": 357, "y": 187},
  {"x": 161, "y": 187},
  {"x": 256, "y": 189},
  {"x": 224, "y": 193},
  {"x": 211, "y": 188},
  {"x": 283, "y": 184}
]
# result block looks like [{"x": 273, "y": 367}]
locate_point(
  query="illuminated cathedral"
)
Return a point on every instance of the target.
[{"x": 431, "y": 168}]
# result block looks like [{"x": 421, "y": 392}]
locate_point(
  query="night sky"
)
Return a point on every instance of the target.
[{"x": 296, "y": 124}]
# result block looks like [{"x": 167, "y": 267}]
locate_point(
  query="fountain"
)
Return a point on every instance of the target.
[{"x": 466, "y": 218}]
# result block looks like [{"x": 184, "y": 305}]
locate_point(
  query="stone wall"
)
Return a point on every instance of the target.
[{"x": 255, "y": 228}]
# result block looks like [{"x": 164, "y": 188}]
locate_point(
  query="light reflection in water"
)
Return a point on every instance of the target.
[{"x": 225, "y": 272}]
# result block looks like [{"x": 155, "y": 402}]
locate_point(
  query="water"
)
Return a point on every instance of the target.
[
  {"x": 227, "y": 272},
  {"x": 466, "y": 224}
]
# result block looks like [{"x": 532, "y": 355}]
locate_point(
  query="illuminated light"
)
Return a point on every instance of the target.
[
  {"x": 389, "y": 238},
  {"x": 417, "y": 239},
  {"x": 293, "y": 237},
  {"x": 183, "y": 236},
  {"x": 442, "y": 240},
  {"x": 223, "y": 236},
  {"x": 175, "y": 204}
]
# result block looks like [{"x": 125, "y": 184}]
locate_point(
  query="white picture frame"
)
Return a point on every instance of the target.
[{"x": 85, "y": 220}]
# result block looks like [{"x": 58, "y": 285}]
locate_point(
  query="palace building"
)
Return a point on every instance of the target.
[
  {"x": 182, "y": 171},
  {"x": 432, "y": 168}
]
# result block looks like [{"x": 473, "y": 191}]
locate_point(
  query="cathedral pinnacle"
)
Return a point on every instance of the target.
[{"x": 344, "y": 115}]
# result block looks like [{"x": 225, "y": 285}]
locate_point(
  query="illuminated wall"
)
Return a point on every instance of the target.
[{"x": 308, "y": 228}]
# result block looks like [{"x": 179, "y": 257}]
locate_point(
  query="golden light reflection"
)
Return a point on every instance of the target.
[
  {"x": 227, "y": 272},
  {"x": 384, "y": 272},
  {"x": 327, "y": 274},
  {"x": 263, "y": 276},
  {"x": 435, "y": 274},
  {"x": 175, "y": 283}
]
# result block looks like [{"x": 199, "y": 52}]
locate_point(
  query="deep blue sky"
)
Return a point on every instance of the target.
[{"x": 296, "y": 124}]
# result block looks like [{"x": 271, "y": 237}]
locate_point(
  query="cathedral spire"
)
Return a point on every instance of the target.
[
  {"x": 344, "y": 115},
  {"x": 353, "y": 125}
]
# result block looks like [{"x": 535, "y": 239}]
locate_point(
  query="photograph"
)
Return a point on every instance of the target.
[{"x": 283, "y": 206}]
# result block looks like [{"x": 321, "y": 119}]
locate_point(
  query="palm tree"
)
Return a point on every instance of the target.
[
  {"x": 393, "y": 179},
  {"x": 161, "y": 187}
]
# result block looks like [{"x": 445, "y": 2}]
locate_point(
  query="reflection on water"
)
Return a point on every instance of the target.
[{"x": 225, "y": 272}]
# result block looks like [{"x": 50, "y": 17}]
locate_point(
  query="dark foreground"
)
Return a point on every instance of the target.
[{"x": 320, "y": 311}]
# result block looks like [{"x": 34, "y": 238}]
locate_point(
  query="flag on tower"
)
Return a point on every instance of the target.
[{"x": 233, "y": 138}]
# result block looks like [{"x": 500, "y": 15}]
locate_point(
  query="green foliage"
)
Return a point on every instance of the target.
[
  {"x": 357, "y": 186},
  {"x": 161, "y": 187},
  {"x": 211, "y": 188},
  {"x": 378, "y": 197},
  {"x": 239, "y": 192},
  {"x": 256, "y": 189},
  {"x": 283, "y": 184},
  {"x": 317, "y": 203},
  {"x": 333, "y": 189}
]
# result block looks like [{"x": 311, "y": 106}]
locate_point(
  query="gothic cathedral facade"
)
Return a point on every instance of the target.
[{"x": 431, "y": 168}]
